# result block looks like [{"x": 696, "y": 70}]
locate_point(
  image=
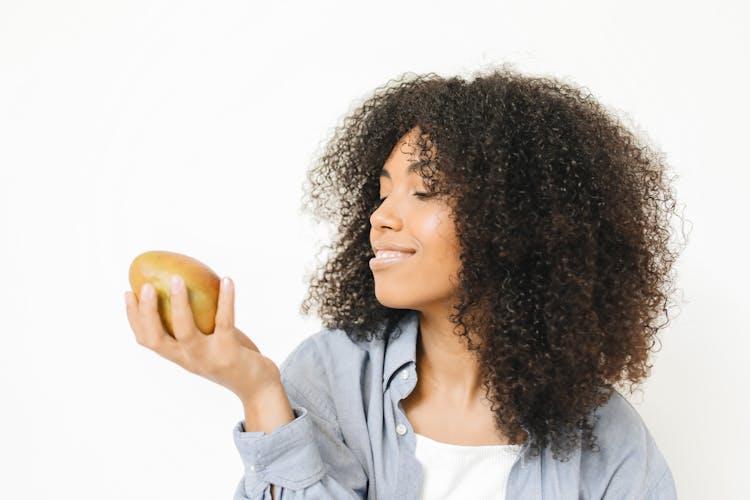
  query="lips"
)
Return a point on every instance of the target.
[
  {"x": 377, "y": 246},
  {"x": 386, "y": 258},
  {"x": 388, "y": 253}
]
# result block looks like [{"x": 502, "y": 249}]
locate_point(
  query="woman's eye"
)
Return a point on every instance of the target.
[{"x": 418, "y": 195}]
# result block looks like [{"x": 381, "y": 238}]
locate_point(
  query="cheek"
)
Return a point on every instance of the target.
[
  {"x": 434, "y": 224},
  {"x": 439, "y": 234}
]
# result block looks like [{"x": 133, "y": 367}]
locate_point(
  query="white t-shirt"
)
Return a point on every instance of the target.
[{"x": 455, "y": 472}]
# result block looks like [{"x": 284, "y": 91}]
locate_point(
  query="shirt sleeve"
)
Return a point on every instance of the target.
[
  {"x": 306, "y": 458},
  {"x": 630, "y": 464},
  {"x": 664, "y": 489}
]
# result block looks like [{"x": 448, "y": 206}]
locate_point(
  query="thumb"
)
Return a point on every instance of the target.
[
  {"x": 225, "y": 309},
  {"x": 245, "y": 341},
  {"x": 225, "y": 315}
]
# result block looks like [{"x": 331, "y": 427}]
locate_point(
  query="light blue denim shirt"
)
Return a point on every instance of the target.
[{"x": 351, "y": 438}]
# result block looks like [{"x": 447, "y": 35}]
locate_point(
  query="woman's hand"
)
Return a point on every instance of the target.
[{"x": 227, "y": 356}]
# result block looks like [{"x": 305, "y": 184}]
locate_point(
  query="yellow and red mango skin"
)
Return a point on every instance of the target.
[{"x": 157, "y": 267}]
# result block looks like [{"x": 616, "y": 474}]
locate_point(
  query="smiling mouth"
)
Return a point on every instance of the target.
[
  {"x": 391, "y": 253},
  {"x": 385, "y": 258}
]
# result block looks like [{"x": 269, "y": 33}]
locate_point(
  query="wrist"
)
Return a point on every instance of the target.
[
  {"x": 263, "y": 377},
  {"x": 268, "y": 409}
]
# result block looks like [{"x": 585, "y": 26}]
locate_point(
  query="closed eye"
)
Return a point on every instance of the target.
[{"x": 418, "y": 195}]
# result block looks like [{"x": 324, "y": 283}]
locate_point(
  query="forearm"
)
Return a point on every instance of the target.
[
  {"x": 267, "y": 410},
  {"x": 281, "y": 452}
]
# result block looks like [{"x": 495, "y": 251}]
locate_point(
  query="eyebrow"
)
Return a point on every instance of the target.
[{"x": 412, "y": 169}]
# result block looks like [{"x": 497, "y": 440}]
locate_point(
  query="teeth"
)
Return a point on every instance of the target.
[{"x": 384, "y": 254}]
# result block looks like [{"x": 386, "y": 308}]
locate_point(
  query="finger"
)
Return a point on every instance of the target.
[
  {"x": 225, "y": 309},
  {"x": 182, "y": 315},
  {"x": 131, "y": 309},
  {"x": 150, "y": 331}
]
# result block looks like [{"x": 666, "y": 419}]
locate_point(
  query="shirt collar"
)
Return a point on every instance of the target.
[{"x": 402, "y": 349}]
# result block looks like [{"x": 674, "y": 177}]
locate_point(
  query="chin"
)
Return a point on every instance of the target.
[
  {"x": 395, "y": 300},
  {"x": 392, "y": 304}
]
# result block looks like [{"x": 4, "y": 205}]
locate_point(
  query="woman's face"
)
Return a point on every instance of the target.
[{"x": 424, "y": 280}]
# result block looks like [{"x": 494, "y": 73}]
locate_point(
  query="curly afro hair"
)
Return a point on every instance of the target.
[{"x": 563, "y": 218}]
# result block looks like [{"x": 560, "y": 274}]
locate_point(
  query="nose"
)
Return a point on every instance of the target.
[{"x": 386, "y": 216}]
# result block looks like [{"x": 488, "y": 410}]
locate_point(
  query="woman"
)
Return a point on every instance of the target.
[{"x": 501, "y": 262}]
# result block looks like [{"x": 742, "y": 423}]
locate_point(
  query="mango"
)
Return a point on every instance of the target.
[{"x": 157, "y": 267}]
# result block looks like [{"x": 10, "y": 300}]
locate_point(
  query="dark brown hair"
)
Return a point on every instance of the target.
[{"x": 563, "y": 218}]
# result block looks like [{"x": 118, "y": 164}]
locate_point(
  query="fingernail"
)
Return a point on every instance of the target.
[
  {"x": 145, "y": 291},
  {"x": 176, "y": 282},
  {"x": 225, "y": 283}
]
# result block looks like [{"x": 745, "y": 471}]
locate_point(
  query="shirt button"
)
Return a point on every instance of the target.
[
  {"x": 252, "y": 468},
  {"x": 405, "y": 374},
  {"x": 401, "y": 429}
]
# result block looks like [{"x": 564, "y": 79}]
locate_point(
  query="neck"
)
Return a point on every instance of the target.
[{"x": 445, "y": 366}]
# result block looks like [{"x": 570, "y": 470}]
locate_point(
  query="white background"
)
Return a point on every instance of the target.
[{"x": 188, "y": 126}]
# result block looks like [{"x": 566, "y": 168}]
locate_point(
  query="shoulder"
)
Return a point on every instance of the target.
[
  {"x": 618, "y": 422},
  {"x": 326, "y": 349},
  {"x": 628, "y": 456},
  {"x": 325, "y": 364}
]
